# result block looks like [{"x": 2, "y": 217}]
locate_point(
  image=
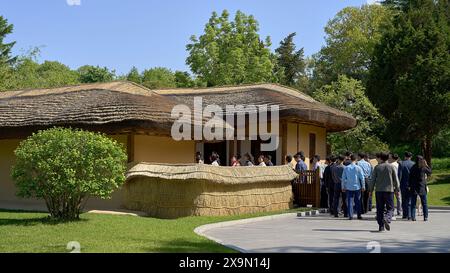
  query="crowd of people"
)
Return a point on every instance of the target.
[
  {"x": 349, "y": 181},
  {"x": 237, "y": 160}
]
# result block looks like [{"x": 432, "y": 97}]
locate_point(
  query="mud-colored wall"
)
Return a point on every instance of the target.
[{"x": 298, "y": 139}]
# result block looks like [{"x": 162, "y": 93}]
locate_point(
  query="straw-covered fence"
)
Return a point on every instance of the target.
[{"x": 171, "y": 191}]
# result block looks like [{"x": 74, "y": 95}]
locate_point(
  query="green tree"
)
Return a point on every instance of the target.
[
  {"x": 441, "y": 143},
  {"x": 410, "y": 76},
  {"x": 292, "y": 61},
  {"x": 158, "y": 77},
  {"x": 348, "y": 95},
  {"x": 183, "y": 79},
  {"x": 230, "y": 52},
  {"x": 5, "y": 48},
  {"x": 350, "y": 40},
  {"x": 26, "y": 72},
  {"x": 89, "y": 74},
  {"x": 55, "y": 74},
  {"x": 134, "y": 76},
  {"x": 5, "y": 76},
  {"x": 64, "y": 167}
]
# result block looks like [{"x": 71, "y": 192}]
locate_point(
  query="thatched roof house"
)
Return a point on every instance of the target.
[
  {"x": 140, "y": 119},
  {"x": 294, "y": 105}
]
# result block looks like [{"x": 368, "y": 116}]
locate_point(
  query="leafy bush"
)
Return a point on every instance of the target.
[
  {"x": 66, "y": 166},
  {"x": 441, "y": 163},
  {"x": 441, "y": 144},
  {"x": 400, "y": 149},
  {"x": 348, "y": 95}
]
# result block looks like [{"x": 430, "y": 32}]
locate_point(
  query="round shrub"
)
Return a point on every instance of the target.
[{"x": 64, "y": 167}]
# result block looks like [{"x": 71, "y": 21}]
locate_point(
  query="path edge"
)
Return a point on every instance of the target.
[{"x": 200, "y": 230}]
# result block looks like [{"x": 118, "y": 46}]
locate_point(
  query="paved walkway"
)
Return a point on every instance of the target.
[{"x": 326, "y": 234}]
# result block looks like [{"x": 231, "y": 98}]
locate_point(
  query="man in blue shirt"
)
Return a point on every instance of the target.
[
  {"x": 352, "y": 184},
  {"x": 301, "y": 165},
  {"x": 405, "y": 169},
  {"x": 367, "y": 170}
]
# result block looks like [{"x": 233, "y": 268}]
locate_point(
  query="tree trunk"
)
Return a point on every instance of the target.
[{"x": 426, "y": 149}]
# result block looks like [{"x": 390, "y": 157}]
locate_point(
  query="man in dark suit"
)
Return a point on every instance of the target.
[
  {"x": 336, "y": 173},
  {"x": 405, "y": 168},
  {"x": 328, "y": 182}
]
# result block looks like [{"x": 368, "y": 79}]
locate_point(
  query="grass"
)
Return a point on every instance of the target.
[
  {"x": 439, "y": 185},
  {"x": 22, "y": 231}
]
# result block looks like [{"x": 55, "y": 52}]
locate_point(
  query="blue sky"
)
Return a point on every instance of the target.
[{"x": 148, "y": 33}]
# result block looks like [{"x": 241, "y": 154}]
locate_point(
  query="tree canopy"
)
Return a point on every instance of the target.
[
  {"x": 350, "y": 40},
  {"x": 410, "y": 75},
  {"x": 348, "y": 94},
  {"x": 26, "y": 72},
  {"x": 291, "y": 61},
  {"x": 5, "y": 48},
  {"x": 158, "y": 77},
  {"x": 230, "y": 52},
  {"x": 90, "y": 73}
]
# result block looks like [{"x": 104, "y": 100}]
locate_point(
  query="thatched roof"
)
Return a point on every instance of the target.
[
  {"x": 215, "y": 174},
  {"x": 294, "y": 105},
  {"x": 114, "y": 107},
  {"x": 121, "y": 107}
]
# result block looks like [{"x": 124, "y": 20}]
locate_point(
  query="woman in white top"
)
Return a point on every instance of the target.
[
  {"x": 393, "y": 160},
  {"x": 215, "y": 159},
  {"x": 261, "y": 161}
]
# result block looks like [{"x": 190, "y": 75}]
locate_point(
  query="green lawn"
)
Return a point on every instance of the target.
[
  {"x": 34, "y": 232},
  {"x": 439, "y": 185}
]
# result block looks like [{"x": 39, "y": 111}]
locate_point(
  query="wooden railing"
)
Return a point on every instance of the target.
[{"x": 306, "y": 189}]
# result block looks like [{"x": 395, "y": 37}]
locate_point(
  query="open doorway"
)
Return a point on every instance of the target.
[
  {"x": 218, "y": 147},
  {"x": 256, "y": 150}
]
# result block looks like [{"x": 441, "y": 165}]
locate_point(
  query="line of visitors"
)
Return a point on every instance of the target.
[{"x": 350, "y": 180}]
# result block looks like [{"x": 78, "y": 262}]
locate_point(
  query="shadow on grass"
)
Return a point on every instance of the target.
[
  {"x": 440, "y": 179},
  {"x": 446, "y": 200},
  {"x": 21, "y": 211},
  {"x": 32, "y": 221}
]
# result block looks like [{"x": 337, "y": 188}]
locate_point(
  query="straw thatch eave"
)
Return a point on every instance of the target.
[
  {"x": 293, "y": 104},
  {"x": 123, "y": 107},
  {"x": 113, "y": 108},
  {"x": 213, "y": 174}
]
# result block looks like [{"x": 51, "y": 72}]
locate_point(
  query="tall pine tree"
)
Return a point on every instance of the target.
[
  {"x": 5, "y": 48},
  {"x": 409, "y": 78},
  {"x": 291, "y": 61}
]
